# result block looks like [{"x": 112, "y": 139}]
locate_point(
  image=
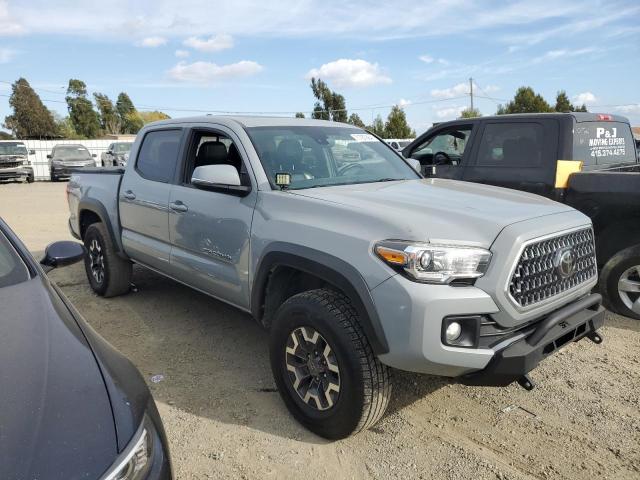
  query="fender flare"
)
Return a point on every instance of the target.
[
  {"x": 99, "y": 209},
  {"x": 330, "y": 269}
]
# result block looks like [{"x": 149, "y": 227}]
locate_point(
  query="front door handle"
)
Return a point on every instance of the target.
[
  {"x": 129, "y": 195},
  {"x": 178, "y": 206}
]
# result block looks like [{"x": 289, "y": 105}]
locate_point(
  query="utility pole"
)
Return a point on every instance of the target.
[{"x": 471, "y": 91}]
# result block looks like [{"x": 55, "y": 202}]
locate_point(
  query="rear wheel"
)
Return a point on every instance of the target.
[
  {"x": 620, "y": 282},
  {"x": 108, "y": 274},
  {"x": 324, "y": 367}
]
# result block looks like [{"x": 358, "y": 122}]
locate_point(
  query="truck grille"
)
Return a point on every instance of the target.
[
  {"x": 550, "y": 267},
  {"x": 10, "y": 164}
]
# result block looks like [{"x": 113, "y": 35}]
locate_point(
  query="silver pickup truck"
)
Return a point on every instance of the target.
[{"x": 351, "y": 260}]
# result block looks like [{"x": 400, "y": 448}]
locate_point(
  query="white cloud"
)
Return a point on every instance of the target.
[
  {"x": 629, "y": 109},
  {"x": 455, "y": 91},
  {"x": 9, "y": 24},
  {"x": 426, "y": 58},
  {"x": 6, "y": 55},
  {"x": 210, "y": 73},
  {"x": 222, "y": 41},
  {"x": 350, "y": 73},
  {"x": 565, "y": 53},
  {"x": 404, "y": 103},
  {"x": 585, "y": 98},
  {"x": 152, "y": 42},
  {"x": 182, "y": 53},
  {"x": 449, "y": 113}
]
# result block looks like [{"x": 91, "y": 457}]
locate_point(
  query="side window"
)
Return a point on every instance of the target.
[
  {"x": 445, "y": 148},
  {"x": 511, "y": 145},
  {"x": 158, "y": 155},
  {"x": 212, "y": 148}
]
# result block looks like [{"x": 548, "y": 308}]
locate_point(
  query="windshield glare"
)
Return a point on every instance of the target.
[
  {"x": 12, "y": 149},
  {"x": 72, "y": 152},
  {"x": 325, "y": 156}
]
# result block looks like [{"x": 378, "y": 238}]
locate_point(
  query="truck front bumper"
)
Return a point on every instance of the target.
[
  {"x": 412, "y": 316},
  {"x": 17, "y": 173}
]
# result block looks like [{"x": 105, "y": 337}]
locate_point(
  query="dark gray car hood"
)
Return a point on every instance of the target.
[{"x": 55, "y": 415}]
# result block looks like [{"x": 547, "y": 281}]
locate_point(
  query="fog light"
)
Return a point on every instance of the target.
[{"x": 453, "y": 331}]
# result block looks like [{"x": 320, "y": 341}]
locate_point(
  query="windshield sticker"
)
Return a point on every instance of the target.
[
  {"x": 363, "y": 137},
  {"x": 607, "y": 143}
]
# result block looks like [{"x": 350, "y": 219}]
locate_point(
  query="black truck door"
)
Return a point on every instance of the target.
[
  {"x": 515, "y": 153},
  {"x": 445, "y": 149}
]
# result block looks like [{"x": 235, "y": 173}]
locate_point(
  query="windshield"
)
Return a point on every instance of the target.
[
  {"x": 12, "y": 269},
  {"x": 13, "y": 149},
  {"x": 598, "y": 143},
  {"x": 121, "y": 147},
  {"x": 72, "y": 152},
  {"x": 325, "y": 156}
]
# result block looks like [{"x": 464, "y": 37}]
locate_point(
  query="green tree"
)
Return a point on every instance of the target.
[
  {"x": 125, "y": 109},
  {"x": 329, "y": 105},
  {"x": 65, "y": 128},
  {"x": 299, "y": 115},
  {"x": 563, "y": 104},
  {"x": 354, "y": 119},
  {"x": 525, "y": 101},
  {"x": 377, "y": 127},
  {"x": 134, "y": 122},
  {"x": 109, "y": 118},
  {"x": 582, "y": 108},
  {"x": 470, "y": 113},
  {"x": 397, "y": 126},
  {"x": 84, "y": 118},
  {"x": 148, "y": 117},
  {"x": 30, "y": 118},
  {"x": 6, "y": 136}
]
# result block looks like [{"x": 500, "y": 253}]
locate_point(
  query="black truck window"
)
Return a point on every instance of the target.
[
  {"x": 511, "y": 145},
  {"x": 159, "y": 154}
]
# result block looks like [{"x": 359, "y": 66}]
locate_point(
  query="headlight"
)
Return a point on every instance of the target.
[
  {"x": 135, "y": 461},
  {"x": 431, "y": 263}
]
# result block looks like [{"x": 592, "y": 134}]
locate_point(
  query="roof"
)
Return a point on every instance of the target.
[
  {"x": 254, "y": 121},
  {"x": 579, "y": 116}
]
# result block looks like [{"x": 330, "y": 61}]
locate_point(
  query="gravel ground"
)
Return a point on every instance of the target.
[{"x": 225, "y": 420}]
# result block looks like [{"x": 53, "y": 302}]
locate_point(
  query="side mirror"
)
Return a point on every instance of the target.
[
  {"x": 93, "y": 155},
  {"x": 49, "y": 156},
  {"x": 32, "y": 152},
  {"x": 223, "y": 178},
  {"x": 415, "y": 164},
  {"x": 61, "y": 254}
]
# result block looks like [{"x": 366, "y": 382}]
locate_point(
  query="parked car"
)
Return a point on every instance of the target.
[
  {"x": 353, "y": 266},
  {"x": 116, "y": 155},
  {"x": 72, "y": 405},
  {"x": 14, "y": 162},
  {"x": 398, "y": 143},
  {"x": 532, "y": 152},
  {"x": 67, "y": 157}
]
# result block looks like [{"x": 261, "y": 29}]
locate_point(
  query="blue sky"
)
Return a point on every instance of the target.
[{"x": 252, "y": 56}]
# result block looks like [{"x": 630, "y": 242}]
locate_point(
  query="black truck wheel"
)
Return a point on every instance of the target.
[
  {"x": 109, "y": 275},
  {"x": 324, "y": 367},
  {"x": 620, "y": 282}
]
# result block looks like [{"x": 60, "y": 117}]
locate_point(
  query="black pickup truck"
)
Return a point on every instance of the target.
[{"x": 537, "y": 153}]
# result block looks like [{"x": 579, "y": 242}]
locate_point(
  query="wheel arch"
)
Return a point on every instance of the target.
[
  {"x": 615, "y": 237},
  {"x": 91, "y": 211},
  {"x": 327, "y": 269}
]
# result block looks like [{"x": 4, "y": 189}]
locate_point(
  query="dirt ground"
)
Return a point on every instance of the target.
[{"x": 225, "y": 420}]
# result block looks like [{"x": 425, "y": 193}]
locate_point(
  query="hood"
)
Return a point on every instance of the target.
[
  {"x": 440, "y": 210},
  {"x": 56, "y": 418},
  {"x": 73, "y": 159}
]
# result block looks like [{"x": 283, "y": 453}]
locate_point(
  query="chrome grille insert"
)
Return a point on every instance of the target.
[{"x": 552, "y": 266}]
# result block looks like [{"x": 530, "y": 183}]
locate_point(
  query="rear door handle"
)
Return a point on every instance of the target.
[
  {"x": 129, "y": 195},
  {"x": 178, "y": 206}
]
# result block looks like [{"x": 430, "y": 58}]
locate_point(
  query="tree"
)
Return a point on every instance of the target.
[
  {"x": 109, "y": 118},
  {"x": 5, "y": 136},
  {"x": 562, "y": 102},
  {"x": 397, "y": 126},
  {"x": 84, "y": 118},
  {"x": 30, "y": 118},
  {"x": 354, "y": 119},
  {"x": 148, "y": 117},
  {"x": 65, "y": 128},
  {"x": 125, "y": 109},
  {"x": 470, "y": 113},
  {"x": 299, "y": 115},
  {"x": 329, "y": 105},
  {"x": 525, "y": 101},
  {"x": 377, "y": 127}
]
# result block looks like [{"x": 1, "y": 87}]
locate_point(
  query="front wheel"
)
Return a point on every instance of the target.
[
  {"x": 324, "y": 366},
  {"x": 620, "y": 282},
  {"x": 108, "y": 274}
]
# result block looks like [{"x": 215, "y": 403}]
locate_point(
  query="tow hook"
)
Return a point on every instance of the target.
[
  {"x": 526, "y": 382},
  {"x": 595, "y": 337}
]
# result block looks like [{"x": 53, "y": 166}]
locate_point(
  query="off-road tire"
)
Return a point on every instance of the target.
[
  {"x": 365, "y": 383},
  {"x": 610, "y": 276},
  {"x": 116, "y": 278}
]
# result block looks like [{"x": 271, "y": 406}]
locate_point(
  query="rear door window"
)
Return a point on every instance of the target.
[
  {"x": 511, "y": 145},
  {"x": 158, "y": 155},
  {"x": 600, "y": 143}
]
